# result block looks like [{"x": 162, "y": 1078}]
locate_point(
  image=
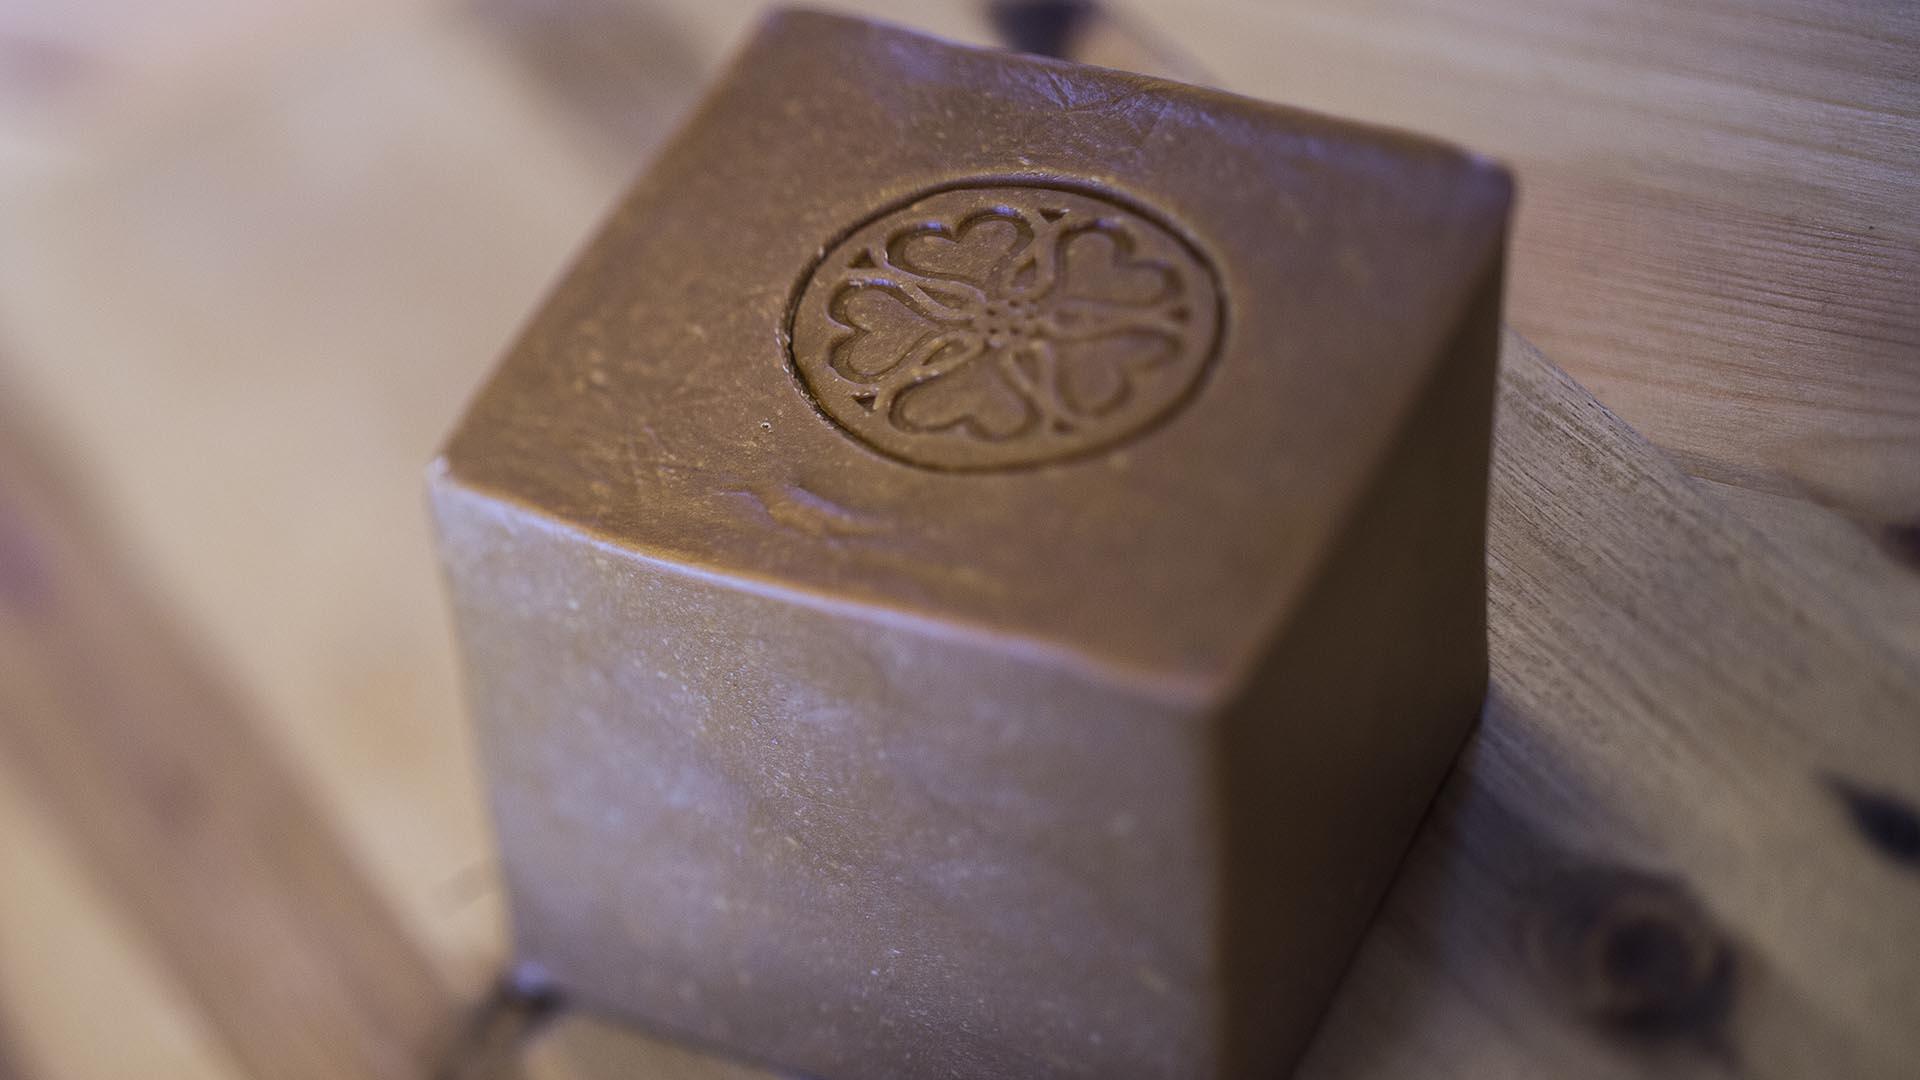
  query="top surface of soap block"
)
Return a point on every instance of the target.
[{"x": 1081, "y": 361}]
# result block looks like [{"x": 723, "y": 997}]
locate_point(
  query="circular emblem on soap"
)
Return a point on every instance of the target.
[{"x": 997, "y": 327}]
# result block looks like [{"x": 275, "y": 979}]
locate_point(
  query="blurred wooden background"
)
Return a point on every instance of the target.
[{"x": 252, "y": 256}]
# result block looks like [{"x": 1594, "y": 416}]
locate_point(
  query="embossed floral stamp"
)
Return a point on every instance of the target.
[{"x": 1005, "y": 326}]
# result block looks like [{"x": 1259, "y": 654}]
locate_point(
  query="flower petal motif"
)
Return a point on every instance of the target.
[
  {"x": 1097, "y": 264},
  {"x": 1099, "y": 291},
  {"x": 975, "y": 397},
  {"x": 884, "y": 329},
  {"x": 1003, "y": 326},
  {"x": 1094, "y": 377},
  {"x": 979, "y": 251}
]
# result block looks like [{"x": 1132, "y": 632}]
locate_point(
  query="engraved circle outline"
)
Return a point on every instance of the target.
[{"x": 1172, "y": 407}]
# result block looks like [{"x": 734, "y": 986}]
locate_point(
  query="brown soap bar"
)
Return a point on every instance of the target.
[{"x": 977, "y": 571}]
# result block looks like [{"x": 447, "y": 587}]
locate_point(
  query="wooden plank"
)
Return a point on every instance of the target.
[
  {"x": 284, "y": 349},
  {"x": 1648, "y": 862},
  {"x": 187, "y": 813},
  {"x": 1570, "y": 90},
  {"x": 69, "y": 959},
  {"x": 10, "y": 1067},
  {"x": 1874, "y": 571}
]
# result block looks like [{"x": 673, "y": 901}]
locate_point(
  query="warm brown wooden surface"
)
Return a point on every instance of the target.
[
  {"x": 1646, "y": 863},
  {"x": 249, "y": 275},
  {"x": 209, "y": 845},
  {"x": 70, "y": 957}
]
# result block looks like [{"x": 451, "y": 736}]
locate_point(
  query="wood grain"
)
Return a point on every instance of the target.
[
  {"x": 1645, "y": 863},
  {"x": 10, "y": 1067},
  {"x": 69, "y": 956},
  {"x": 189, "y": 816},
  {"x": 251, "y": 311}
]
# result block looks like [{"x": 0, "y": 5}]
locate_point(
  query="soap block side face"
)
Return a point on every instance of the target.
[
  {"x": 1333, "y": 750},
  {"x": 850, "y": 845}
]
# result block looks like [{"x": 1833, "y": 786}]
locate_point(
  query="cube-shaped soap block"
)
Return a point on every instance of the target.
[{"x": 977, "y": 570}]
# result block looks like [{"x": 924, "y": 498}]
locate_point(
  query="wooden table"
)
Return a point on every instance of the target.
[{"x": 249, "y": 276}]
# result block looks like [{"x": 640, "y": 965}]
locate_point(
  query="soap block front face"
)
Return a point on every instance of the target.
[
  {"x": 856, "y": 846},
  {"x": 978, "y": 569}
]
